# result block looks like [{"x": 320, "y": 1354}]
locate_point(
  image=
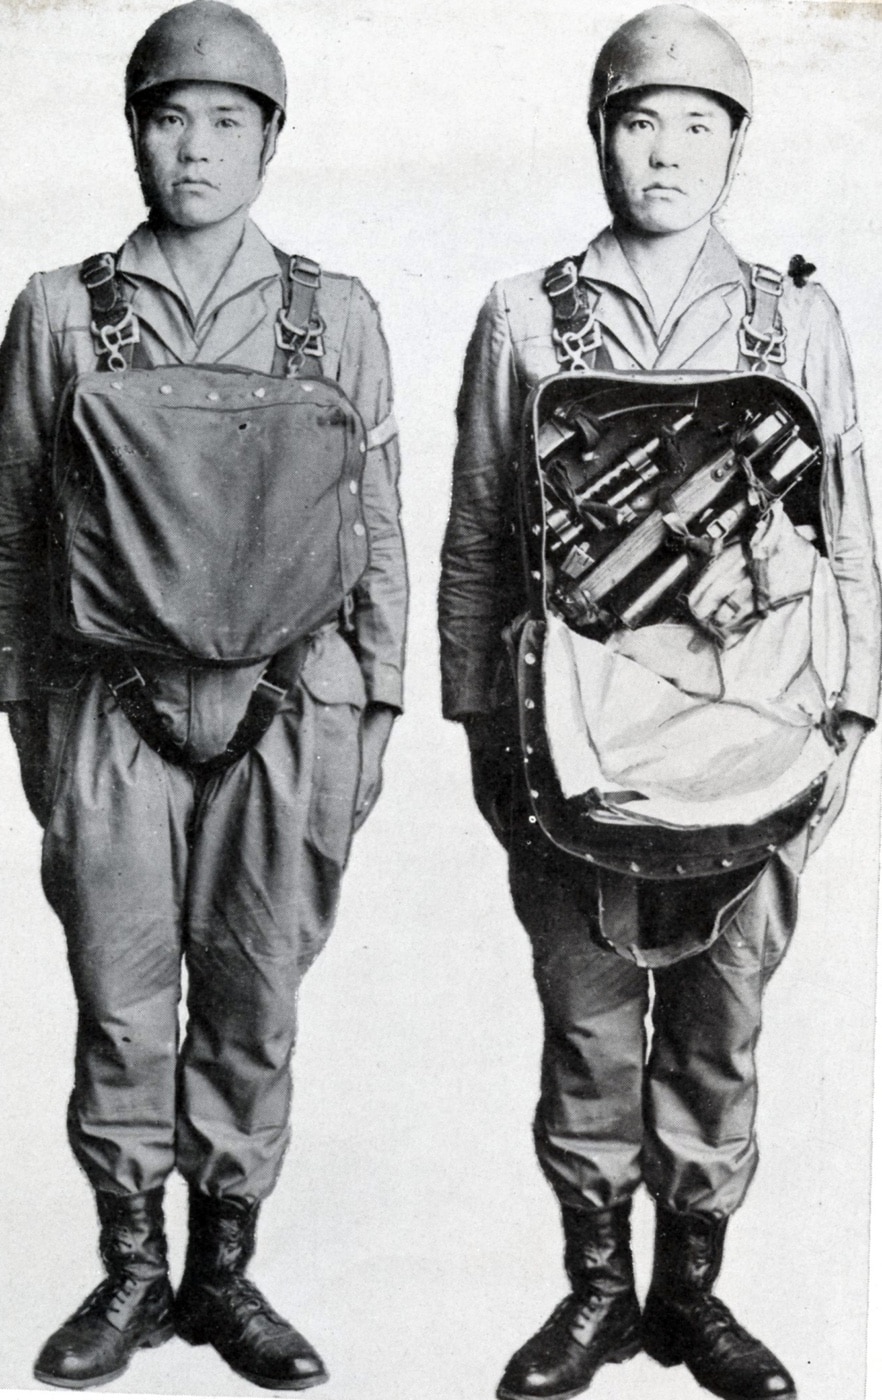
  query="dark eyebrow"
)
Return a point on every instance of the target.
[{"x": 169, "y": 104}]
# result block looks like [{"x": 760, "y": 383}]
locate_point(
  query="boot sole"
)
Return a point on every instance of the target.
[
  {"x": 669, "y": 1359},
  {"x": 156, "y": 1339},
  {"x": 624, "y": 1353}
]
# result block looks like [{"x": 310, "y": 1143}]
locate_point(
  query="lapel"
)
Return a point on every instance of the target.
[
  {"x": 707, "y": 302},
  {"x": 711, "y": 297},
  {"x": 247, "y": 291},
  {"x": 621, "y": 308}
]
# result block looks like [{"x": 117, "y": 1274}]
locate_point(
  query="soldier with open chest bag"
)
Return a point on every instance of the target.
[
  {"x": 660, "y": 627},
  {"x": 202, "y": 596}
]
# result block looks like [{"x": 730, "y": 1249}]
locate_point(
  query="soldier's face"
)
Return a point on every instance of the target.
[
  {"x": 667, "y": 158},
  {"x": 200, "y": 149}
]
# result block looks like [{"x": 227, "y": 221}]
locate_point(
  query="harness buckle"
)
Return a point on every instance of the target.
[
  {"x": 766, "y": 279},
  {"x": 96, "y": 271},
  {"x": 304, "y": 271},
  {"x": 277, "y": 693},
  {"x": 298, "y": 342},
  {"x": 764, "y": 347},
  {"x": 574, "y": 346},
  {"x": 134, "y": 678},
  {"x": 113, "y": 336},
  {"x": 558, "y": 283}
]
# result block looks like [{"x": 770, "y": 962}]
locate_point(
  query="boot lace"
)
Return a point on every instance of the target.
[
  {"x": 246, "y": 1302},
  {"x": 721, "y": 1332},
  {"x": 107, "y": 1300}
]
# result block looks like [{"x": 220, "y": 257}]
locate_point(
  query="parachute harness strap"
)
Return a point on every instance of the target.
[
  {"x": 114, "y": 326},
  {"x": 299, "y": 328},
  {"x": 761, "y": 335},
  {"x": 576, "y": 334}
]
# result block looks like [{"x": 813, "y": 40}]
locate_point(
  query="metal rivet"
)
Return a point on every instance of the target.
[
  {"x": 165, "y": 388},
  {"x": 116, "y": 384},
  {"x": 771, "y": 849},
  {"x": 358, "y": 528},
  {"x": 680, "y": 869},
  {"x": 725, "y": 862},
  {"x": 530, "y": 659},
  {"x": 537, "y": 529},
  {"x": 353, "y": 487},
  {"x": 531, "y": 820},
  {"x": 589, "y": 857},
  {"x": 534, "y": 573},
  {"x": 307, "y": 388},
  {"x": 213, "y": 396},
  {"x": 362, "y": 446},
  {"x": 529, "y": 704},
  {"x": 260, "y": 393},
  {"x": 528, "y": 748},
  {"x": 635, "y": 867},
  {"x": 533, "y": 793}
]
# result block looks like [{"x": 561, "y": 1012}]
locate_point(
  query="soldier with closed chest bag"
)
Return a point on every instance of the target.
[{"x": 202, "y": 598}]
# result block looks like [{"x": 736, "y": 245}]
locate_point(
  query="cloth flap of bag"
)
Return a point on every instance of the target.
[
  {"x": 204, "y": 513},
  {"x": 707, "y": 734}
]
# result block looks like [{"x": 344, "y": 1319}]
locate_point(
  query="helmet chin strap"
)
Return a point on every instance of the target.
[
  {"x": 270, "y": 137},
  {"x": 734, "y": 156}
]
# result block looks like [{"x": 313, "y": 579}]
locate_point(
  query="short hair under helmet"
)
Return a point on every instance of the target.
[
  {"x": 670, "y": 46},
  {"x": 207, "y": 41}
]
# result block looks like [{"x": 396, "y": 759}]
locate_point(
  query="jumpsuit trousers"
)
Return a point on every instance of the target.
[
  {"x": 237, "y": 875},
  {"x": 610, "y": 1115}
]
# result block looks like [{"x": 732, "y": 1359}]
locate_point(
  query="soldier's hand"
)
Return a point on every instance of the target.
[
  {"x": 853, "y": 730},
  {"x": 375, "y": 730}
]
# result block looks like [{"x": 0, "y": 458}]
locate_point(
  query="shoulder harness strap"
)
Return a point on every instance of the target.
[
  {"x": 761, "y": 335},
  {"x": 300, "y": 329},
  {"x": 576, "y": 334},
  {"x": 114, "y": 326}
]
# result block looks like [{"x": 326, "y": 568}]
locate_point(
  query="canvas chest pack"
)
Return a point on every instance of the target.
[{"x": 203, "y": 514}]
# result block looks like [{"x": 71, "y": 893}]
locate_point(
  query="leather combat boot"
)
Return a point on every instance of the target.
[
  {"x": 216, "y": 1303},
  {"x": 598, "y": 1322},
  {"x": 132, "y": 1308},
  {"x": 684, "y": 1322}
]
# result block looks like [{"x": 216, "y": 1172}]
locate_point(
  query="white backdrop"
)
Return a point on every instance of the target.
[{"x": 430, "y": 150}]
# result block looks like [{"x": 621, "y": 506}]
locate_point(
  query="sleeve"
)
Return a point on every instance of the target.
[
  {"x": 29, "y": 388},
  {"x": 829, "y": 380},
  {"x": 476, "y": 592},
  {"x": 380, "y": 600}
]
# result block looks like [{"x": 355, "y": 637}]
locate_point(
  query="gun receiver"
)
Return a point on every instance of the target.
[{"x": 765, "y": 458}]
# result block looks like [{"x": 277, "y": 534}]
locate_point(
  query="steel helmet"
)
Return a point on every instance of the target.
[
  {"x": 207, "y": 41},
  {"x": 671, "y": 46}
]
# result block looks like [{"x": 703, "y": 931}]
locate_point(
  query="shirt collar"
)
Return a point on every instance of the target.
[
  {"x": 253, "y": 262},
  {"x": 716, "y": 266}
]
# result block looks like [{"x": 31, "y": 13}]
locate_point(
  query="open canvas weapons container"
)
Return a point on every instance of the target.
[{"x": 679, "y": 666}]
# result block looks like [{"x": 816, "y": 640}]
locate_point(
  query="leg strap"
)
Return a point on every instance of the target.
[{"x": 133, "y": 692}]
